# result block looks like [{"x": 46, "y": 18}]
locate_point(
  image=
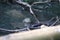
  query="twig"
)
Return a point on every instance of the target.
[
  {"x": 17, "y": 30},
  {"x": 41, "y": 2},
  {"x": 55, "y": 21},
  {"x": 50, "y": 21},
  {"x": 26, "y": 4}
]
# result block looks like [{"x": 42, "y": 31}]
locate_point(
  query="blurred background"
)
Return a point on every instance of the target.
[{"x": 12, "y": 14}]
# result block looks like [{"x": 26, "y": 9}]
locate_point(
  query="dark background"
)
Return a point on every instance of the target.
[{"x": 12, "y": 14}]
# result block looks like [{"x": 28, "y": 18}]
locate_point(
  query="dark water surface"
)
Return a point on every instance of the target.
[{"x": 12, "y": 15}]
